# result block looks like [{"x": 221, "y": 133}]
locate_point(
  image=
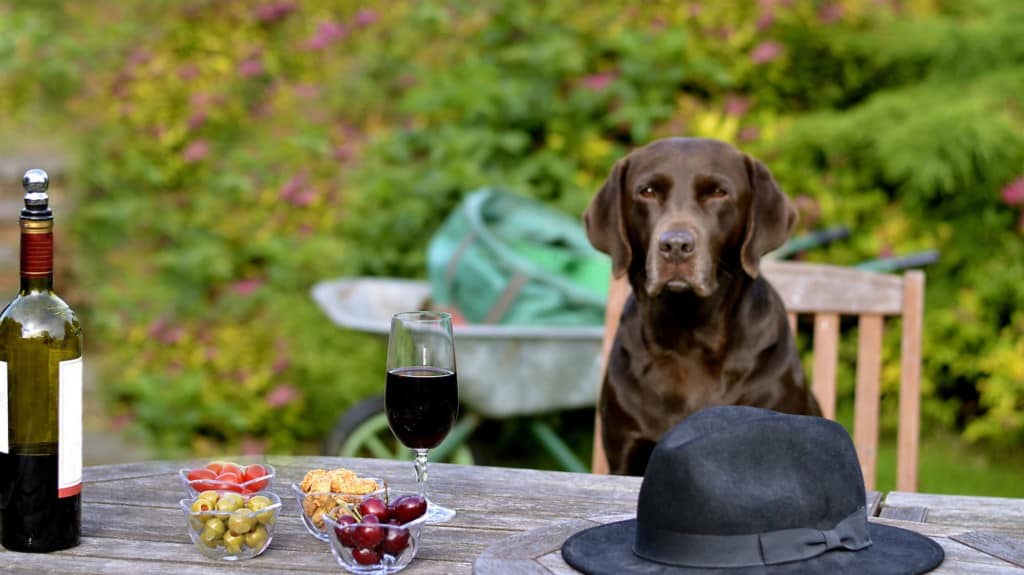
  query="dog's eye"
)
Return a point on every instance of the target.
[
  {"x": 647, "y": 192},
  {"x": 719, "y": 192}
]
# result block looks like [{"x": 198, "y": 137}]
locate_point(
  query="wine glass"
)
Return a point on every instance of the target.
[{"x": 422, "y": 393}]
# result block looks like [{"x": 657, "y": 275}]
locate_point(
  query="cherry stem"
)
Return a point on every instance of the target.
[{"x": 421, "y": 471}]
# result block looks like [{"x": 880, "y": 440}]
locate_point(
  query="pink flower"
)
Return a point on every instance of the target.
[
  {"x": 327, "y": 33},
  {"x": 765, "y": 20},
  {"x": 749, "y": 134},
  {"x": 280, "y": 364},
  {"x": 253, "y": 446},
  {"x": 188, "y": 72},
  {"x": 766, "y": 51},
  {"x": 293, "y": 186},
  {"x": 172, "y": 336},
  {"x": 598, "y": 82},
  {"x": 251, "y": 66},
  {"x": 737, "y": 106},
  {"x": 282, "y": 395},
  {"x": 1013, "y": 193},
  {"x": 247, "y": 286},
  {"x": 196, "y": 120},
  {"x": 274, "y": 11},
  {"x": 307, "y": 91},
  {"x": 366, "y": 17},
  {"x": 195, "y": 151},
  {"x": 831, "y": 13}
]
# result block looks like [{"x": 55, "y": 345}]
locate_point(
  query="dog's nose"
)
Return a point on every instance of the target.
[{"x": 676, "y": 244}]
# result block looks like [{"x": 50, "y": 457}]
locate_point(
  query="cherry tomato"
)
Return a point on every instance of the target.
[
  {"x": 200, "y": 479},
  {"x": 254, "y": 474},
  {"x": 231, "y": 468},
  {"x": 230, "y": 478},
  {"x": 216, "y": 467}
]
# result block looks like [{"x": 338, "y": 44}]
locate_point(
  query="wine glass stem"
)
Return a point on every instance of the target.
[{"x": 421, "y": 471}]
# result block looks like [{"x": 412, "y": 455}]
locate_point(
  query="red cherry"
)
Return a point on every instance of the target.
[
  {"x": 409, "y": 507},
  {"x": 369, "y": 533},
  {"x": 396, "y": 541},
  {"x": 374, "y": 506},
  {"x": 345, "y": 530},
  {"x": 365, "y": 556}
]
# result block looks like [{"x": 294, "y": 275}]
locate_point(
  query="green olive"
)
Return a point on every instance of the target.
[
  {"x": 241, "y": 521},
  {"x": 213, "y": 496},
  {"x": 230, "y": 502},
  {"x": 257, "y": 537},
  {"x": 233, "y": 542},
  {"x": 258, "y": 502},
  {"x": 200, "y": 505},
  {"x": 214, "y": 527}
]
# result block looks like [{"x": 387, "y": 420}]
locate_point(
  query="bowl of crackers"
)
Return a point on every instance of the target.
[{"x": 330, "y": 493}]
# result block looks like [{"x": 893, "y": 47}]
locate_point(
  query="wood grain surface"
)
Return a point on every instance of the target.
[{"x": 509, "y": 521}]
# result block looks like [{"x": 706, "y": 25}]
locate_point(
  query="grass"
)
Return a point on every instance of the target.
[{"x": 948, "y": 465}]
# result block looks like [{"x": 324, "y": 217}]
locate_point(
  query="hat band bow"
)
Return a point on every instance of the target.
[{"x": 748, "y": 550}]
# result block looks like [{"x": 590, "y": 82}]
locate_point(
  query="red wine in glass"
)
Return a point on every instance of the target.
[
  {"x": 422, "y": 404},
  {"x": 421, "y": 396}
]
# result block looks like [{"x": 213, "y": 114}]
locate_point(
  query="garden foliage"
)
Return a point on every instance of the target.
[{"x": 234, "y": 153}]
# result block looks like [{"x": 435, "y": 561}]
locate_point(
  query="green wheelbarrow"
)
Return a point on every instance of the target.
[{"x": 504, "y": 372}]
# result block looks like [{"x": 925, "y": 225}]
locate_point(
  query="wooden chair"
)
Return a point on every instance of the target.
[{"x": 827, "y": 292}]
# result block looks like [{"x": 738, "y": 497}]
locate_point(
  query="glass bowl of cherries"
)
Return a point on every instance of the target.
[{"x": 377, "y": 535}]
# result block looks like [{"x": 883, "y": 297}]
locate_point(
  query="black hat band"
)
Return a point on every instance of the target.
[{"x": 748, "y": 550}]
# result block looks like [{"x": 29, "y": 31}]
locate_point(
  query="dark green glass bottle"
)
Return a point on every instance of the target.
[{"x": 40, "y": 396}]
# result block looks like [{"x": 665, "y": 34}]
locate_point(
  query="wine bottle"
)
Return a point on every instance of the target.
[{"x": 40, "y": 396}]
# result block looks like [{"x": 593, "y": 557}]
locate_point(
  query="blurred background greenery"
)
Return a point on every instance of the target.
[{"x": 225, "y": 155}]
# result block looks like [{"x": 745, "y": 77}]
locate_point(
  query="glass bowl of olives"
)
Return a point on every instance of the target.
[
  {"x": 231, "y": 526},
  {"x": 315, "y": 506},
  {"x": 378, "y": 535},
  {"x": 227, "y": 476}
]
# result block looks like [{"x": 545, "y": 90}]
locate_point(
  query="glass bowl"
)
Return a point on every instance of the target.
[
  {"x": 316, "y": 505},
  {"x": 364, "y": 547},
  {"x": 261, "y": 482},
  {"x": 230, "y": 526}
]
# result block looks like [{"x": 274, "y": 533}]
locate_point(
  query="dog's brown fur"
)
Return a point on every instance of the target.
[{"x": 688, "y": 220}]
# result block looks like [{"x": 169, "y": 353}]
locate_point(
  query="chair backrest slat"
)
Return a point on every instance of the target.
[
  {"x": 867, "y": 394},
  {"x": 826, "y": 358},
  {"x": 910, "y": 381},
  {"x": 817, "y": 288}
]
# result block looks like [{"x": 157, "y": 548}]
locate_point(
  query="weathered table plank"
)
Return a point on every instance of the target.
[{"x": 132, "y": 523}]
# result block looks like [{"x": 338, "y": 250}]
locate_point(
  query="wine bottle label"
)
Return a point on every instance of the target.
[
  {"x": 69, "y": 431},
  {"x": 5, "y": 439}
]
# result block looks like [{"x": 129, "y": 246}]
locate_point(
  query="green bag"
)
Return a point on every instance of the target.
[{"x": 502, "y": 258}]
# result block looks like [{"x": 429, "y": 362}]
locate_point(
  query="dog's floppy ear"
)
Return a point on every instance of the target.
[
  {"x": 770, "y": 218},
  {"x": 605, "y": 222}
]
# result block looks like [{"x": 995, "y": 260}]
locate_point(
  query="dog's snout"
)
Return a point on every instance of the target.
[{"x": 676, "y": 244}]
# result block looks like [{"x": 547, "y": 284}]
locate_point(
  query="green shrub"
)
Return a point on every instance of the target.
[{"x": 235, "y": 153}]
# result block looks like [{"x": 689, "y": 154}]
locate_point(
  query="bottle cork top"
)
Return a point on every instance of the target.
[{"x": 37, "y": 203}]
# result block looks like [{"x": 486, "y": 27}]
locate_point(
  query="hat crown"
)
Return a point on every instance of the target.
[{"x": 735, "y": 470}]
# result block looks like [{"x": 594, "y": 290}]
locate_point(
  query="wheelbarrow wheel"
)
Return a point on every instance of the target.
[{"x": 363, "y": 431}]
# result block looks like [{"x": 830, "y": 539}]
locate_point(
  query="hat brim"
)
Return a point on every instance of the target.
[{"x": 608, "y": 550}]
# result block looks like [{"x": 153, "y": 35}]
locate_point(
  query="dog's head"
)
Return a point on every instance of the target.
[{"x": 677, "y": 209}]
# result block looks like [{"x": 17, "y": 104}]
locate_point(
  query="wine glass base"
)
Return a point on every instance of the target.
[{"x": 438, "y": 513}]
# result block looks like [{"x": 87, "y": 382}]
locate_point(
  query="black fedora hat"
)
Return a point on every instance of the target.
[{"x": 742, "y": 490}]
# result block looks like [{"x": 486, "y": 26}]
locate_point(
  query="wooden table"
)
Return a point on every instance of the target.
[{"x": 509, "y": 521}]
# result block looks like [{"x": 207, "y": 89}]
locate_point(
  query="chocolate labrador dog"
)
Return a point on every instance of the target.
[{"x": 688, "y": 220}]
